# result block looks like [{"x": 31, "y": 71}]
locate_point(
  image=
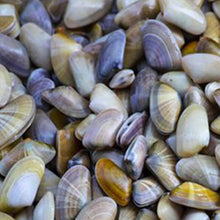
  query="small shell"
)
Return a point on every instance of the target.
[
  {"x": 73, "y": 192},
  {"x": 217, "y": 96},
  {"x": 107, "y": 24},
  {"x": 210, "y": 89},
  {"x": 165, "y": 107},
  {"x": 146, "y": 214},
  {"x": 216, "y": 8},
  {"x": 190, "y": 48},
  {"x": 146, "y": 191},
  {"x": 217, "y": 154},
  {"x": 215, "y": 126},
  {"x": 124, "y": 96},
  {"x": 194, "y": 214},
  {"x": 128, "y": 212},
  {"x": 21, "y": 183},
  {"x": 195, "y": 196},
  {"x": 213, "y": 142},
  {"x": 124, "y": 3},
  {"x": 161, "y": 49},
  {"x": 4, "y": 216},
  {"x": 171, "y": 142},
  {"x": 113, "y": 181},
  {"x": 96, "y": 32},
  {"x": 207, "y": 45},
  {"x": 162, "y": 162},
  {"x": 192, "y": 131}
]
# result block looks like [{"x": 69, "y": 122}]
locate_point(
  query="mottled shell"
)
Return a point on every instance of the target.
[
  {"x": 73, "y": 192},
  {"x": 113, "y": 181},
  {"x": 165, "y": 107}
]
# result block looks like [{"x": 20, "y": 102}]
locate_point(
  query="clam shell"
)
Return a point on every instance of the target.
[
  {"x": 25, "y": 214},
  {"x": 217, "y": 96},
  {"x": 213, "y": 142},
  {"x": 21, "y": 183},
  {"x": 96, "y": 190},
  {"x": 87, "y": 13},
  {"x": 196, "y": 196},
  {"x": 184, "y": 14},
  {"x": 101, "y": 133},
  {"x": 111, "y": 56},
  {"x": 98, "y": 209},
  {"x": 113, "y": 181},
  {"x": 210, "y": 89},
  {"x": 45, "y": 209},
  {"x": 135, "y": 156},
  {"x": 146, "y": 191},
  {"x": 96, "y": 32},
  {"x": 11, "y": 50},
  {"x": 68, "y": 101},
  {"x": 128, "y": 212},
  {"x": 194, "y": 214},
  {"x": 217, "y": 154},
  {"x": 124, "y": 3},
  {"x": 5, "y": 216},
  {"x": 62, "y": 47},
  {"x": 216, "y": 215},
  {"x": 216, "y": 8},
  {"x": 73, "y": 192},
  {"x": 190, "y": 48},
  {"x": 162, "y": 162},
  {"x": 107, "y": 24},
  {"x": 192, "y": 131},
  {"x": 215, "y": 126},
  {"x": 35, "y": 12},
  {"x": 161, "y": 49},
  {"x": 165, "y": 107},
  {"x": 124, "y": 96},
  {"x": 171, "y": 142},
  {"x": 146, "y": 214},
  {"x": 37, "y": 42},
  {"x": 209, "y": 46},
  {"x": 26, "y": 148}
]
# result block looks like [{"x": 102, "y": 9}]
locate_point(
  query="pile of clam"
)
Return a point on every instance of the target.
[{"x": 109, "y": 109}]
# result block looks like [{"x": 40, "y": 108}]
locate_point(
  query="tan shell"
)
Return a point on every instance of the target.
[{"x": 4, "y": 216}]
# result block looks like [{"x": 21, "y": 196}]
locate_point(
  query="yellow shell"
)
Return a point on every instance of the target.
[{"x": 190, "y": 48}]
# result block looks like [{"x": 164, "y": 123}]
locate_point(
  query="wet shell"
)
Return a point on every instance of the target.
[
  {"x": 68, "y": 101},
  {"x": 26, "y": 148},
  {"x": 195, "y": 196},
  {"x": 146, "y": 191},
  {"x": 161, "y": 49},
  {"x": 4, "y": 216},
  {"x": 61, "y": 49},
  {"x": 128, "y": 212},
  {"x": 194, "y": 214},
  {"x": 165, "y": 107},
  {"x": 113, "y": 181},
  {"x": 73, "y": 192},
  {"x": 99, "y": 209},
  {"x": 146, "y": 214},
  {"x": 162, "y": 161},
  {"x": 20, "y": 185}
]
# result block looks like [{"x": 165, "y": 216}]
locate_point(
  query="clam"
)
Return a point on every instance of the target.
[
  {"x": 213, "y": 142},
  {"x": 171, "y": 142},
  {"x": 6, "y": 86},
  {"x": 12, "y": 49},
  {"x": 96, "y": 190},
  {"x": 141, "y": 88},
  {"x": 21, "y": 183},
  {"x": 128, "y": 212},
  {"x": 124, "y": 3},
  {"x": 200, "y": 169},
  {"x": 15, "y": 119},
  {"x": 9, "y": 23},
  {"x": 194, "y": 214},
  {"x": 215, "y": 126},
  {"x": 216, "y": 8},
  {"x": 190, "y": 48},
  {"x": 87, "y": 13},
  {"x": 26, "y": 148},
  {"x": 209, "y": 46},
  {"x": 201, "y": 67},
  {"x": 101, "y": 133},
  {"x": 146, "y": 191},
  {"x": 45, "y": 209},
  {"x": 102, "y": 98},
  {"x": 161, "y": 49},
  {"x": 167, "y": 210},
  {"x": 165, "y": 107},
  {"x": 111, "y": 56},
  {"x": 146, "y": 214},
  {"x": 162, "y": 161},
  {"x": 135, "y": 156},
  {"x": 73, "y": 192},
  {"x": 5, "y": 216},
  {"x": 96, "y": 32},
  {"x": 35, "y": 12},
  {"x": 217, "y": 154},
  {"x": 192, "y": 131},
  {"x": 113, "y": 181},
  {"x": 178, "y": 80},
  {"x": 124, "y": 96},
  {"x": 217, "y": 96},
  {"x": 137, "y": 11},
  {"x": 62, "y": 47},
  {"x": 98, "y": 209},
  {"x": 107, "y": 24},
  {"x": 37, "y": 42},
  {"x": 216, "y": 215},
  {"x": 183, "y": 14},
  {"x": 210, "y": 90},
  {"x": 82, "y": 66},
  {"x": 195, "y": 196},
  {"x": 68, "y": 101},
  {"x": 25, "y": 214}
]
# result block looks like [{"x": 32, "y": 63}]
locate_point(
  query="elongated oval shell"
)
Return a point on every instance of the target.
[
  {"x": 165, "y": 107},
  {"x": 146, "y": 214},
  {"x": 98, "y": 209},
  {"x": 4, "y": 216},
  {"x": 160, "y": 46},
  {"x": 20, "y": 185},
  {"x": 73, "y": 192},
  {"x": 195, "y": 214},
  {"x": 113, "y": 181},
  {"x": 196, "y": 196}
]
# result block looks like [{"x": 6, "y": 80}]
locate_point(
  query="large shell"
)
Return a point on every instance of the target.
[
  {"x": 73, "y": 192},
  {"x": 26, "y": 148},
  {"x": 113, "y": 181},
  {"x": 61, "y": 49},
  {"x": 196, "y": 196},
  {"x": 146, "y": 191},
  {"x": 99, "y": 209},
  {"x": 161, "y": 49},
  {"x": 20, "y": 185},
  {"x": 194, "y": 214},
  {"x": 146, "y": 214},
  {"x": 11, "y": 50},
  {"x": 4, "y": 216},
  {"x": 165, "y": 107},
  {"x": 200, "y": 169},
  {"x": 162, "y": 162}
]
